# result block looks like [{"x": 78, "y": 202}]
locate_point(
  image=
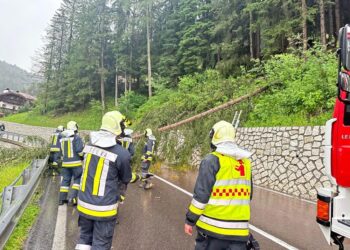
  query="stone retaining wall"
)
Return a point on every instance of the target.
[{"x": 285, "y": 159}]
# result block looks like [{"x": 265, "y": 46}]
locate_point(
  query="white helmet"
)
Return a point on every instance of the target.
[
  {"x": 60, "y": 128},
  {"x": 72, "y": 125}
]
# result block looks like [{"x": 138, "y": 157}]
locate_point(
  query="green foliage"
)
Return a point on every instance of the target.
[
  {"x": 307, "y": 89},
  {"x": 196, "y": 93},
  {"x": 10, "y": 172},
  {"x": 130, "y": 102}
]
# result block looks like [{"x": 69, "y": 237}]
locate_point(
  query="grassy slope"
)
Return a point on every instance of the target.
[
  {"x": 87, "y": 119},
  {"x": 9, "y": 173}
]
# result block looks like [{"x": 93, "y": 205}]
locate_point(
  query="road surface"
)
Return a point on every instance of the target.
[{"x": 154, "y": 219}]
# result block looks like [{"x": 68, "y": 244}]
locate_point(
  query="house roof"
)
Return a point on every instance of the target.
[{"x": 24, "y": 95}]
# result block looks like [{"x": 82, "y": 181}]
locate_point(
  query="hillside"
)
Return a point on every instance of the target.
[
  {"x": 301, "y": 93},
  {"x": 14, "y": 77}
]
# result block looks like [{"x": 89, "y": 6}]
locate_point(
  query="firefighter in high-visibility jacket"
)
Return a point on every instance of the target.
[
  {"x": 72, "y": 154},
  {"x": 55, "y": 147},
  {"x": 147, "y": 157},
  {"x": 106, "y": 163},
  {"x": 220, "y": 208},
  {"x": 127, "y": 141}
]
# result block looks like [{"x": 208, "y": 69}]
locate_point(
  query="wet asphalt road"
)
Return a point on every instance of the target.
[{"x": 154, "y": 219}]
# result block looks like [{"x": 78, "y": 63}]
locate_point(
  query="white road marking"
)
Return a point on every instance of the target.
[
  {"x": 257, "y": 230},
  {"x": 59, "y": 241}
]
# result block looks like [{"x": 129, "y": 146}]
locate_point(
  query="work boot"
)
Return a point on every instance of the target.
[
  {"x": 72, "y": 202},
  {"x": 148, "y": 185}
]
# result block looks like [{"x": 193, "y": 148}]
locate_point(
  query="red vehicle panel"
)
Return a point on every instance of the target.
[{"x": 341, "y": 143}]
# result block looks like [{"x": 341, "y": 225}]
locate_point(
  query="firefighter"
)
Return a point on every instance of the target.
[
  {"x": 220, "y": 207},
  {"x": 127, "y": 142},
  {"x": 106, "y": 163},
  {"x": 147, "y": 157},
  {"x": 55, "y": 147},
  {"x": 72, "y": 154}
]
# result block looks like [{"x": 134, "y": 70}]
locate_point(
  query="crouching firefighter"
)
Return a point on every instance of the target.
[
  {"x": 147, "y": 157},
  {"x": 106, "y": 163},
  {"x": 55, "y": 147},
  {"x": 72, "y": 154},
  {"x": 220, "y": 207}
]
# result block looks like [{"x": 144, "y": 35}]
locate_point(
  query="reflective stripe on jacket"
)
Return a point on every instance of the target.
[
  {"x": 102, "y": 170},
  {"x": 221, "y": 205},
  {"x": 72, "y": 151},
  {"x": 128, "y": 144},
  {"x": 55, "y": 142}
]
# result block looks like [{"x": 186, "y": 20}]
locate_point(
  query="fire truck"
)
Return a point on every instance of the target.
[{"x": 333, "y": 204}]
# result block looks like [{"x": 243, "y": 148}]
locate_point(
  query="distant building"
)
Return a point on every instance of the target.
[{"x": 11, "y": 101}]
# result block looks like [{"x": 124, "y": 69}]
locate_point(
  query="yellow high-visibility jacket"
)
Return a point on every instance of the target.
[{"x": 220, "y": 206}]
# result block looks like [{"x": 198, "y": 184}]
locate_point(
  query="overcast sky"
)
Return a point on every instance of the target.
[{"x": 22, "y": 26}]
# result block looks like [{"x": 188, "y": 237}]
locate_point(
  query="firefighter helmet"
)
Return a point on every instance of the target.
[
  {"x": 222, "y": 131},
  {"x": 72, "y": 125},
  {"x": 148, "y": 132},
  {"x": 60, "y": 128},
  {"x": 113, "y": 122}
]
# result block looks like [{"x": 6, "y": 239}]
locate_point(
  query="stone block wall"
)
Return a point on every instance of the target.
[{"x": 285, "y": 159}]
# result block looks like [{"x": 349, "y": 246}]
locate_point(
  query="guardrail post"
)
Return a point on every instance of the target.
[
  {"x": 6, "y": 198},
  {"x": 26, "y": 175}
]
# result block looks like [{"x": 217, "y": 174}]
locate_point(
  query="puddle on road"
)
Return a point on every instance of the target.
[{"x": 182, "y": 178}]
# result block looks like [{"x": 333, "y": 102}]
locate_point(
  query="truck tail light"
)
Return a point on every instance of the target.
[{"x": 323, "y": 210}]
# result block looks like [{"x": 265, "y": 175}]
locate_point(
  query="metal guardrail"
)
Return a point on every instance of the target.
[
  {"x": 16, "y": 197},
  {"x": 19, "y": 139}
]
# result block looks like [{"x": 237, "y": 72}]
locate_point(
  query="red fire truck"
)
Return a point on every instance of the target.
[{"x": 333, "y": 204}]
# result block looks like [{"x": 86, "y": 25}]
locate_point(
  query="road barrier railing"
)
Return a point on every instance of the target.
[
  {"x": 20, "y": 140},
  {"x": 16, "y": 197}
]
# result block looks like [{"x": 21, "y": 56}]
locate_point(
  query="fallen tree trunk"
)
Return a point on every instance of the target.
[{"x": 210, "y": 111}]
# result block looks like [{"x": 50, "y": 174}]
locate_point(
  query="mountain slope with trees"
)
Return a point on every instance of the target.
[
  {"x": 97, "y": 49},
  {"x": 15, "y": 78}
]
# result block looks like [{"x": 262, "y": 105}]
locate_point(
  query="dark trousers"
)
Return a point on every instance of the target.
[
  {"x": 54, "y": 158},
  {"x": 145, "y": 165},
  {"x": 210, "y": 243},
  {"x": 67, "y": 175},
  {"x": 97, "y": 234}
]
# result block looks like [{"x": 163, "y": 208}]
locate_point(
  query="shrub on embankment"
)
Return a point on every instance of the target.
[{"x": 304, "y": 95}]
